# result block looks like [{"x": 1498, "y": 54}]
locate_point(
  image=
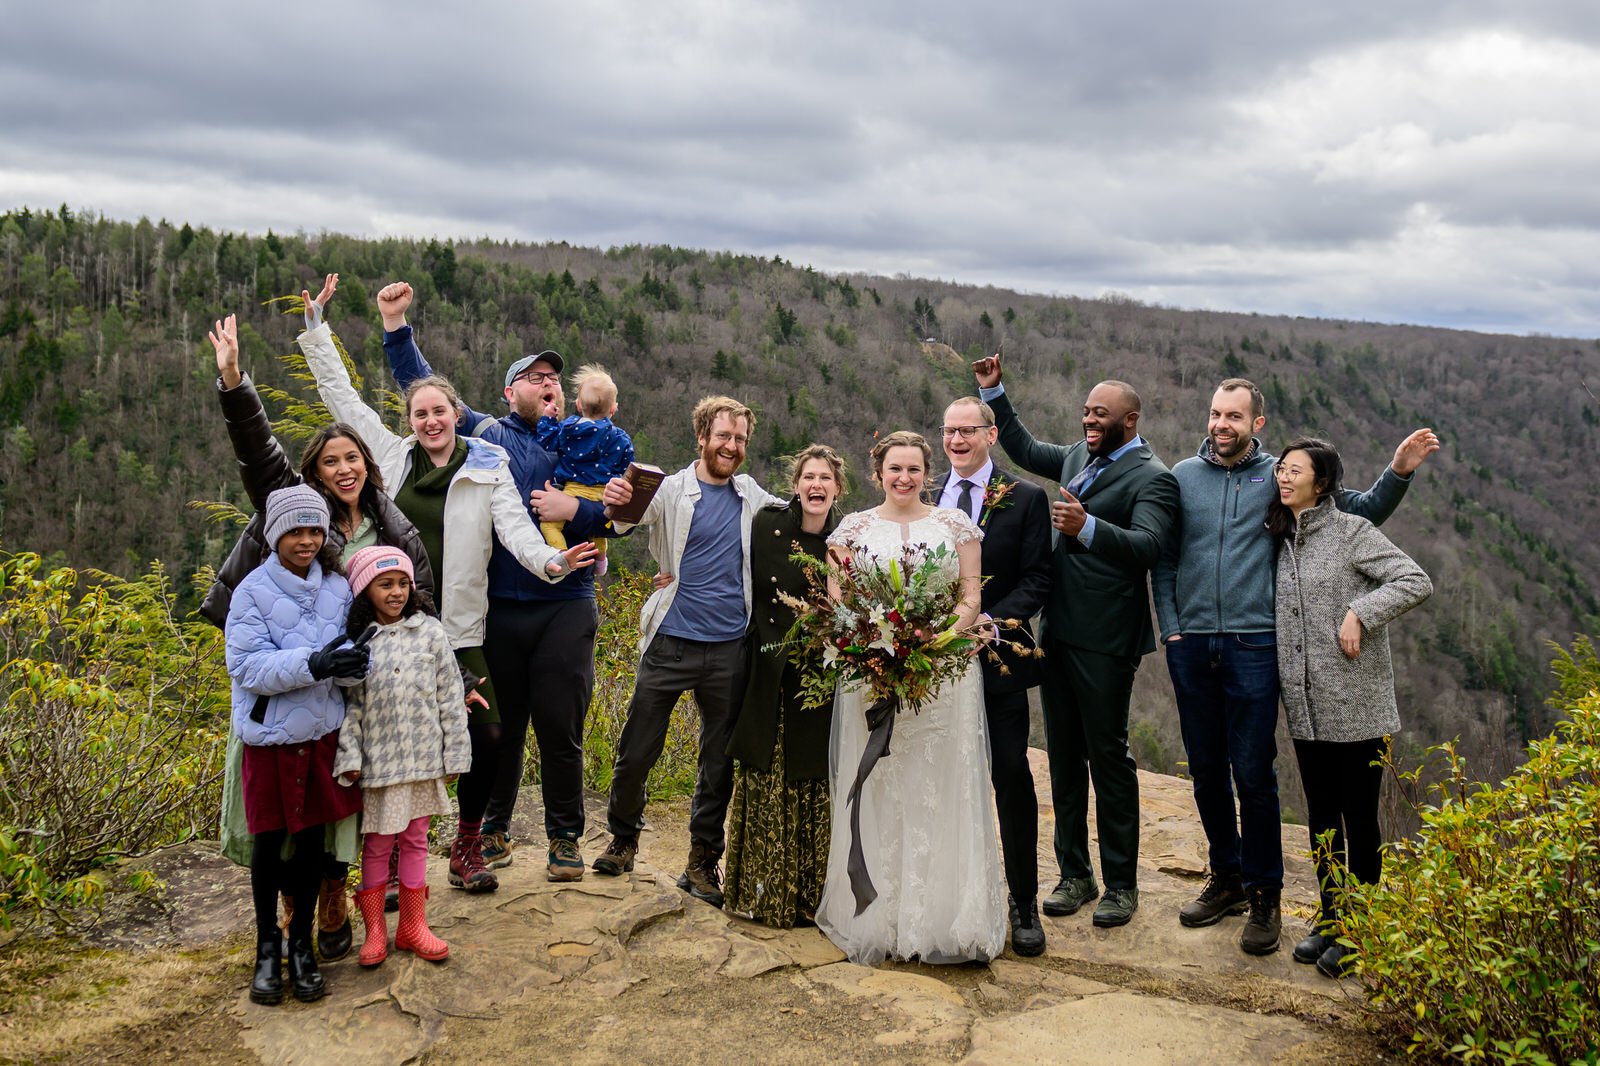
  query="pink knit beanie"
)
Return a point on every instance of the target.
[{"x": 368, "y": 563}]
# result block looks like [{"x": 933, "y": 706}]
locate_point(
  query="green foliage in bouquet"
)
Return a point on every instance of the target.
[
  {"x": 1482, "y": 940},
  {"x": 891, "y": 628},
  {"x": 111, "y": 734}
]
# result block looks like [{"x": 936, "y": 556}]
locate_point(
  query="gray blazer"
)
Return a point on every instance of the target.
[{"x": 1337, "y": 562}]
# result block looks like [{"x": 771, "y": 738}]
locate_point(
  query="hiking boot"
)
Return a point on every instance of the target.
[
  {"x": 466, "y": 865},
  {"x": 1027, "y": 937},
  {"x": 1070, "y": 894},
  {"x": 1116, "y": 908},
  {"x": 496, "y": 850},
  {"x": 701, "y": 878},
  {"x": 334, "y": 934},
  {"x": 1223, "y": 896},
  {"x": 1261, "y": 929},
  {"x": 617, "y": 859},
  {"x": 566, "y": 860}
]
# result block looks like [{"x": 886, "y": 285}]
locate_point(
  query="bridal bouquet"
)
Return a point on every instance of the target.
[{"x": 893, "y": 628}]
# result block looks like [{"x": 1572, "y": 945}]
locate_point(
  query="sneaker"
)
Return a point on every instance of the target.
[
  {"x": 701, "y": 877},
  {"x": 617, "y": 859},
  {"x": 1261, "y": 930},
  {"x": 1117, "y": 907},
  {"x": 1222, "y": 896},
  {"x": 496, "y": 850},
  {"x": 1070, "y": 894},
  {"x": 466, "y": 865},
  {"x": 566, "y": 861}
]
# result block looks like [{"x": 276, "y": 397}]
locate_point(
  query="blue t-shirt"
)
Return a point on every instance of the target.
[{"x": 709, "y": 604}]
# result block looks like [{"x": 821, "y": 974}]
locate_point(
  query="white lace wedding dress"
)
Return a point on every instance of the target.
[{"x": 927, "y": 809}]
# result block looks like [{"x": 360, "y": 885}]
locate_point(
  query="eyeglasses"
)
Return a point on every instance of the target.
[
  {"x": 537, "y": 378},
  {"x": 964, "y": 432}
]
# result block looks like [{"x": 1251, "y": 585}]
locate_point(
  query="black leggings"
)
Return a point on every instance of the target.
[
  {"x": 1342, "y": 787},
  {"x": 472, "y": 790},
  {"x": 297, "y": 877}
]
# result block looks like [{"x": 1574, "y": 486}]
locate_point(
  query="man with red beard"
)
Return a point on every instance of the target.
[
  {"x": 1117, "y": 507},
  {"x": 692, "y": 638}
]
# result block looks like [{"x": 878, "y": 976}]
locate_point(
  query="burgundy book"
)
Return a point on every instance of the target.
[{"x": 645, "y": 479}]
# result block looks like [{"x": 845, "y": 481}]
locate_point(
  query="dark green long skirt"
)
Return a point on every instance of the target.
[{"x": 777, "y": 844}]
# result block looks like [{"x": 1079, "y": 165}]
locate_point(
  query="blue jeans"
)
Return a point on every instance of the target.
[{"x": 1227, "y": 689}]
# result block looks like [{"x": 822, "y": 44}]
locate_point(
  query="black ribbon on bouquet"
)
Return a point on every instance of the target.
[{"x": 880, "y": 727}]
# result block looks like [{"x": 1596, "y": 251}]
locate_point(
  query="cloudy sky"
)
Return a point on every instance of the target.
[{"x": 1424, "y": 161}]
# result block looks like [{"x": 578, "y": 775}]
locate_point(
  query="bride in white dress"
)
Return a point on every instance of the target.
[{"x": 927, "y": 817}]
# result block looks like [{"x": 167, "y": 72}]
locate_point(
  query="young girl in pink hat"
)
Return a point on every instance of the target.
[{"x": 404, "y": 739}]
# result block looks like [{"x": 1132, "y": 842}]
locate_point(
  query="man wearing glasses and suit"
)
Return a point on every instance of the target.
[
  {"x": 1015, "y": 517},
  {"x": 1117, "y": 508}
]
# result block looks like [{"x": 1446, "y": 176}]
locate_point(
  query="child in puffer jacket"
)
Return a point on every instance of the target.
[
  {"x": 405, "y": 738},
  {"x": 286, "y": 654}
]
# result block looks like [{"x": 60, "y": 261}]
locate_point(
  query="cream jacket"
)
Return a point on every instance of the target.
[
  {"x": 668, "y": 518},
  {"x": 482, "y": 502}
]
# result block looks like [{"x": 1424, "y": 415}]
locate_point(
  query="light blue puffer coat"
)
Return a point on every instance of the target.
[{"x": 275, "y": 621}]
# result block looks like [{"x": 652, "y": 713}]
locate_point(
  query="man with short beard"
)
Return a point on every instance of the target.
[
  {"x": 539, "y": 637},
  {"x": 692, "y": 639},
  {"x": 1215, "y": 605},
  {"x": 1118, "y": 503}
]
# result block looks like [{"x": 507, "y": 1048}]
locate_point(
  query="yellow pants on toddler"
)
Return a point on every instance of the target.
[{"x": 552, "y": 530}]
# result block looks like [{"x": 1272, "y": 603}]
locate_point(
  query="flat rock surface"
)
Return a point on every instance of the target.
[{"x": 609, "y": 969}]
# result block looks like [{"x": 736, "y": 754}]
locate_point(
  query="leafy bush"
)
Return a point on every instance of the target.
[
  {"x": 1483, "y": 937},
  {"x": 112, "y": 733}
]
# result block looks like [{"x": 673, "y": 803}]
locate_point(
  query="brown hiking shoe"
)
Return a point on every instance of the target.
[
  {"x": 617, "y": 859},
  {"x": 701, "y": 877},
  {"x": 566, "y": 860}
]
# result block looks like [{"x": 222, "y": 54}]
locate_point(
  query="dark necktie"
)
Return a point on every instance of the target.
[
  {"x": 1087, "y": 474},
  {"x": 964, "y": 499}
]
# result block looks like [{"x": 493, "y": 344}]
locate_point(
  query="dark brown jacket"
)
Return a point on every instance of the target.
[{"x": 264, "y": 468}]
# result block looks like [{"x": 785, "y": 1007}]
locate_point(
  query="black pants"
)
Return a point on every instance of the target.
[
  {"x": 1342, "y": 787},
  {"x": 671, "y": 666},
  {"x": 299, "y": 877},
  {"x": 483, "y": 730},
  {"x": 1014, "y": 796},
  {"x": 1085, "y": 697},
  {"x": 541, "y": 655}
]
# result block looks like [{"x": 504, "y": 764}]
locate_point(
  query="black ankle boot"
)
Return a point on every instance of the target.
[
  {"x": 1323, "y": 934},
  {"x": 266, "y": 987},
  {"x": 303, "y": 974}
]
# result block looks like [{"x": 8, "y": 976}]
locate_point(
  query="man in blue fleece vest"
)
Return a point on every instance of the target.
[{"x": 1214, "y": 595}]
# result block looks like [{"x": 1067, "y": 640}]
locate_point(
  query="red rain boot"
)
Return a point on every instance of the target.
[
  {"x": 413, "y": 934},
  {"x": 376, "y": 947}
]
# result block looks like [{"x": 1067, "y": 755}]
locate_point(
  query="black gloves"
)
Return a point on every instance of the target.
[{"x": 349, "y": 664}]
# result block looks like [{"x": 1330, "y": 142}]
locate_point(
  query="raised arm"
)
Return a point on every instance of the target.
[
  {"x": 1027, "y": 451},
  {"x": 263, "y": 466},
  {"x": 1383, "y": 498},
  {"x": 342, "y": 400},
  {"x": 406, "y": 363}
]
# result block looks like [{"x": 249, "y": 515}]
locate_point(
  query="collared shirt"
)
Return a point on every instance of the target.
[
  {"x": 1086, "y": 534},
  {"x": 980, "y": 482}
]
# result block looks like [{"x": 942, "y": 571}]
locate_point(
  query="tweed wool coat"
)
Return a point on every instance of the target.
[{"x": 1334, "y": 563}]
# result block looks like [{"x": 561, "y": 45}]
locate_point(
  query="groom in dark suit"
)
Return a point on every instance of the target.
[
  {"x": 1015, "y": 518},
  {"x": 1118, "y": 505}
]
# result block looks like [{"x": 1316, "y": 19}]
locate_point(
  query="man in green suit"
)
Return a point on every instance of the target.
[{"x": 1118, "y": 505}]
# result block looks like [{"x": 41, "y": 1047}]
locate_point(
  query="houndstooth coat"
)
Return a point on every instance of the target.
[{"x": 1337, "y": 562}]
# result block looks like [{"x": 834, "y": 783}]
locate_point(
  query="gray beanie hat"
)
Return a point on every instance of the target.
[{"x": 293, "y": 508}]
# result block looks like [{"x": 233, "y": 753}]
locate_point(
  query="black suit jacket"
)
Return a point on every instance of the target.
[
  {"x": 1099, "y": 596},
  {"x": 1016, "y": 566}
]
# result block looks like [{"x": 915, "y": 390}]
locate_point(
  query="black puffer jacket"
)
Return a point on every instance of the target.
[{"x": 264, "y": 468}]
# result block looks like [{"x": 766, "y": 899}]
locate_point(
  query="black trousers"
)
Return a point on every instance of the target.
[
  {"x": 1342, "y": 787},
  {"x": 671, "y": 666},
  {"x": 541, "y": 656},
  {"x": 1085, "y": 697},
  {"x": 299, "y": 877},
  {"x": 1014, "y": 797}
]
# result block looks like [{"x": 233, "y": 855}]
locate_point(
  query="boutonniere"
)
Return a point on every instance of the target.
[{"x": 996, "y": 497}]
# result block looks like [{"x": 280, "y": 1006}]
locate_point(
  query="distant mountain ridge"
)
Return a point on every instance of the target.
[{"x": 111, "y": 427}]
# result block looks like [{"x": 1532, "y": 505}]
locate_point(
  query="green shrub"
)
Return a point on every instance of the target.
[
  {"x": 112, "y": 732},
  {"x": 1483, "y": 938}
]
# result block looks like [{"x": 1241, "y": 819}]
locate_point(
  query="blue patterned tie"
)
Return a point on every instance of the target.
[{"x": 1087, "y": 474}]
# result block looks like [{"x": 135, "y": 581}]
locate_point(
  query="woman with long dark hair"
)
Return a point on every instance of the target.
[{"x": 1340, "y": 584}]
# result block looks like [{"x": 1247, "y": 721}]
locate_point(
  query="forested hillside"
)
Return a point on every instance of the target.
[{"x": 111, "y": 427}]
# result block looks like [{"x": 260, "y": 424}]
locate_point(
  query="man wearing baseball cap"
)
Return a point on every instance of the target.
[{"x": 539, "y": 640}]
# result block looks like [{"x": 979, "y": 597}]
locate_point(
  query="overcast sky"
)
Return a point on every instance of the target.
[{"x": 1427, "y": 161}]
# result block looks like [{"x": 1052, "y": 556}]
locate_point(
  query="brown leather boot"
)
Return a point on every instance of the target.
[
  {"x": 701, "y": 877},
  {"x": 334, "y": 935}
]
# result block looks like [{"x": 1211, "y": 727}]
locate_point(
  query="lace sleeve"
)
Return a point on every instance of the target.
[
  {"x": 850, "y": 529},
  {"x": 957, "y": 524}
]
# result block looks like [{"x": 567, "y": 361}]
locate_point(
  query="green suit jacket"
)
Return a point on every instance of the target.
[{"x": 1099, "y": 596}]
